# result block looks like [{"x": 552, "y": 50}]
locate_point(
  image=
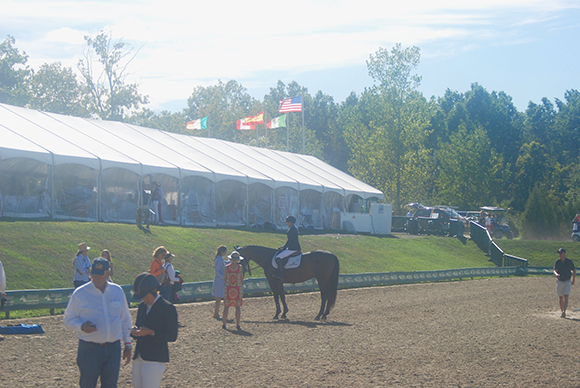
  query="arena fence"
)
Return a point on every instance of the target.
[
  {"x": 480, "y": 235},
  {"x": 199, "y": 291}
]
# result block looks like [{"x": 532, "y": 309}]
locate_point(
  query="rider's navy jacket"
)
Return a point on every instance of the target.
[{"x": 292, "y": 242}]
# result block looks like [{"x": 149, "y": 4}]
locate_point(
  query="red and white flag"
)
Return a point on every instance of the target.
[{"x": 243, "y": 126}]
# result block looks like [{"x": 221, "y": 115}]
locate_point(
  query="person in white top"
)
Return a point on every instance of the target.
[
  {"x": 98, "y": 312},
  {"x": 170, "y": 278},
  {"x": 2, "y": 284}
]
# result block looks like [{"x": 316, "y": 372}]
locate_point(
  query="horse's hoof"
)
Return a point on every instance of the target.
[
  {"x": 323, "y": 318},
  {"x": 275, "y": 317},
  {"x": 317, "y": 318},
  {"x": 283, "y": 316}
]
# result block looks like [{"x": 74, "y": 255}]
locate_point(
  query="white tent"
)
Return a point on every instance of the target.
[{"x": 67, "y": 167}]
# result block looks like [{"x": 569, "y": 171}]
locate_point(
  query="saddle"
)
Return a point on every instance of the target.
[{"x": 293, "y": 261}]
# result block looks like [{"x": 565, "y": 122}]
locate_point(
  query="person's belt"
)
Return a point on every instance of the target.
[{"x": 101, "y": 343}]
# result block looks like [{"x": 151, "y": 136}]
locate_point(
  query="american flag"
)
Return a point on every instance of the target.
[{"x": 293, "y": 104}]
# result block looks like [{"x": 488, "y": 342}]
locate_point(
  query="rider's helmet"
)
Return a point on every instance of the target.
[
  {"x": 291, "y": 219},
  {"x": 144, "y": 284}
]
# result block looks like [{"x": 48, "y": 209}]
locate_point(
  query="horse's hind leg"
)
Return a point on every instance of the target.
[{"x": 322, "y": 306}]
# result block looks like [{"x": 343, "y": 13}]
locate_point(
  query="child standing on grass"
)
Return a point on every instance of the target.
[{"x": 234, "y": 279}]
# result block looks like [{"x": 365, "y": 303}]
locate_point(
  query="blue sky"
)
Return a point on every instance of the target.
[{"x": 527, "y": 48}]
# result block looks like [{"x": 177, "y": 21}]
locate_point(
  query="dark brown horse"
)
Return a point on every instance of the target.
[{"x": 321, "y": 265}]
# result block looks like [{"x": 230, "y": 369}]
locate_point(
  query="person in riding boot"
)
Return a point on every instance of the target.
[{"x": 292, "y": 246}]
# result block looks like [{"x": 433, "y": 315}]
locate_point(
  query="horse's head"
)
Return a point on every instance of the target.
[
  {"x": 245, "y": 260},
  {"x": 261, "y": 255}
]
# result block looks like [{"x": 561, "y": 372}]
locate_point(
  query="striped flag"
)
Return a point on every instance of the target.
[
  {"x": 293, "y": 104},
  {"x": 197, "y": 124},
  {"x": 243, "y": 126},
  {"x": 257, "y": 119},
  {"x": 278, "y": 122}
]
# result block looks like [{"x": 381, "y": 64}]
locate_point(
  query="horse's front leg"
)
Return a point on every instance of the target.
[
  {"x": 277, "y": 301},
  {"x": 283, "y": 297}
]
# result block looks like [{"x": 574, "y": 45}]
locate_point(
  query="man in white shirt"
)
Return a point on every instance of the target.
[{"x": 99, "y": 314}]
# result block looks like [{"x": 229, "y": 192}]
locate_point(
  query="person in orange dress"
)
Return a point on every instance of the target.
[{"x": 234, "y": 279}]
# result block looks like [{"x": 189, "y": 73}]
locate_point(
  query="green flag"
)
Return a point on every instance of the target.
[
  {"x": 278, "y": 122},
  {"x": 197, "y": 124}
]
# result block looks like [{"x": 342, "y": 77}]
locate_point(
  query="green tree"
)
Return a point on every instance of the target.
[
  {"x": 322, "y": 118},
  {"x": 532, "y": 169},
  {"x": 223, "y": 104},
  {"x": 56, "y": 89},
  {"x": 539, "y": 123},
  {"x": 567, "y": 127},
  {"x": 290, "y": 138},
  {"x": 469, "y": 169},
  {"x": 165, "y": 120},
  {"x": 540, "y": 220},
  {"x": 388, "y": 130},
  {"x": 14, "y": 74},
  {"x": 111, "y": 98}
]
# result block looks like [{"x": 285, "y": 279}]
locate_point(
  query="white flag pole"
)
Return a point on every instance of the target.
[{"x": 303, "y": 137}]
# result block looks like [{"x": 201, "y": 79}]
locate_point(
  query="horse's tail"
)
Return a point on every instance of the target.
[{"x": 333, "y": 283}]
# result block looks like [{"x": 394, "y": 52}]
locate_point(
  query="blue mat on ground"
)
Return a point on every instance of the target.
[{"x": 21, "y": 329}]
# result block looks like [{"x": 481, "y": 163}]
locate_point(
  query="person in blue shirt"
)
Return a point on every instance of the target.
[{"x": 82, "y": 265}]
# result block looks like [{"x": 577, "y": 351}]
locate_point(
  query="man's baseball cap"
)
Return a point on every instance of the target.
[
  {"x": 561, "y": 250},
  {"x": 100, "y": 265}
]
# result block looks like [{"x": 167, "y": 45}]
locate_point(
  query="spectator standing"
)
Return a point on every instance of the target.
[
  {"x": 2, "y": 284},
  {"x": 156, "y": 268},
  {"x": 105, "y": 254},
  {"x": 565, "y": 272},
  {"x": 98, "y": 312},
  {"x": 82, "y": 265},
  {"x": 170, "y": 278},
  {"x": 218, "y": 280},
  {"x": 576, "y": 223},
  {"x": 157, "y": 201},
  {"x": 234, "y": 293},
  {"x": 155, "y": 326}
]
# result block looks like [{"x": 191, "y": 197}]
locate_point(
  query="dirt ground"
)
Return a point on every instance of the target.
[{"x": 500, "y": 332}]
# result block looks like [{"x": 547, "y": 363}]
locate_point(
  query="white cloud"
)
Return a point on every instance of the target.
[{"x": 183, "y": 43}]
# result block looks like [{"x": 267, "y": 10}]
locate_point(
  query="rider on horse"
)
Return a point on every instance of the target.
[{"x": 291, "y": 247}]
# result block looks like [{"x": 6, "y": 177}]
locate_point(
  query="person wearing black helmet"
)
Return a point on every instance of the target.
[
  {"x": 155, "y": 326},
  {"x": 292, "y": 246}
]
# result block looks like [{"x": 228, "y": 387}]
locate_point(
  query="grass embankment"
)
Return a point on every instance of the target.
[
  {"x": 38, "y": 255},
  {"x": 540, "y": 253}
]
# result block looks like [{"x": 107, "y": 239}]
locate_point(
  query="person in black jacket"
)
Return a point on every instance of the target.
[
  {"x": 292, "y": 246},
  {"x": 155, "y": 326}
]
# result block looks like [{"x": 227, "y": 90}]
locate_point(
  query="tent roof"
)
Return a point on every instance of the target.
[
  {"x": 105, "y": 144},
  {"x": 21, "y": 121},
  {"x": 14, "y": 145}
]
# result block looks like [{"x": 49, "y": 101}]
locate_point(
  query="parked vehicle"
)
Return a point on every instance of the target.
[
  {"x": 496, "y": 222},
  {"x": 440, "y": 220},
  {"x": 576, "y": 236}
]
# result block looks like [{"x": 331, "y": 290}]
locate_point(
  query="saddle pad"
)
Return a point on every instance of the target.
[{"x": 293, "y": 262}]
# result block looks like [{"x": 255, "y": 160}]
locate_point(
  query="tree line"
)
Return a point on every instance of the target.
[{"x": 465, "y": 149}]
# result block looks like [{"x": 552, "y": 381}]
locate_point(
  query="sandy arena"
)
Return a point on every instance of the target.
[{"x": 500, "y": 332}]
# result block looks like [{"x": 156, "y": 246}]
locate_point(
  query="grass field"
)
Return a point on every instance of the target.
[{"x": 38, "y": 255}]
